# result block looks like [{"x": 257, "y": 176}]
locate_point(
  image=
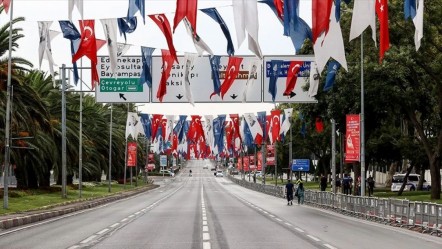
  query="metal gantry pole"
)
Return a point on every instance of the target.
[
  {"x": 125, "y": 156},
  {"x": 362, "y": 120},
  {"x": 264, "y": 157},
  {"x": 290, "y": 154},
  {"x": 8, "y": 115},
  {"x": 333, "y": 155},
  {"x": 276, "y": 164},
  {"x": 110, "y": 150},
  {"x": 63, "y": 131}
]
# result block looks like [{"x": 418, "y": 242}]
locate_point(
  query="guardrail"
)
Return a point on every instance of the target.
[{"x": 423, "y": 217}]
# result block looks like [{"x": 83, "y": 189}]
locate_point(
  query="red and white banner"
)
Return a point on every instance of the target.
[
  {"x": 260, "y": 161},
  {"x": 131, "y": 154},
  {"x": 352, "y": 138},
  {"x": 252, "y": 162},
  {"x": 246, "y": 163}
]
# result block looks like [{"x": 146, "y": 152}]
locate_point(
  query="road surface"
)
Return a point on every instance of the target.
[{"x": 207, "y": 212}]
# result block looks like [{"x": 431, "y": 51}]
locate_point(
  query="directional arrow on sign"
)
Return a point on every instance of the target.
[
  {"x": 179, "y": 96},
  {"x": 122, "y": 96},
  {"x": 233, "y": 96}
]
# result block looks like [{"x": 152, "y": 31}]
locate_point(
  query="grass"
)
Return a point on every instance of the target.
[{"x": 28, "y": 200}]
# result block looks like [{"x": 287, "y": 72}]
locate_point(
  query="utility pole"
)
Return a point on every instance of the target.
[{"x": 333, "y": 155}]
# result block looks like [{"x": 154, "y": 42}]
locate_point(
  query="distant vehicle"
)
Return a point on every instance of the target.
[
  {"x": 411, "y": 185},
  {"x": 165, "y": 172},
  {"x": 205, "y": 166},
  {"x": 219, "y": 174},
  {"x": 213, "y": 168}
]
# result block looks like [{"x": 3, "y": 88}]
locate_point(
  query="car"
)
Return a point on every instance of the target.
[
  {"x": 234, "y": 172},
  {"x": 166, "y": 172},
  {"x": 412, "y": 182},
  {"x": 219, "y": 174},
  {"x": 205, "y": 166},
  {"x": 213, "y": 169}
]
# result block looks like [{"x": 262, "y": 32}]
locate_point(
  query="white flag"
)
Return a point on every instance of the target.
[
  {"x": 200, "y": 45},
  {"x": 79, "y": 4},
  {"x": 110, "y": 27},
  {"x": 330, "y": 45},
  {"x": 44, "y": 48},
  {"x": 189, "y": 58},
  {"x": 132, "y": 124},
  {"x": 122, "y": 48},
  {"x": 254, "y": 126},
  {"x": 245, "y": 13},
  {"x": 364, "y": 15},
  {"x": 285, "y": 126},
  {"x": 208, "y": 132},
  {"x": 418, "y": 21},
  {"x": 254, "y": 65},
  {"x": 169, "y": 127},
  {"x": 314, "y": 80}
]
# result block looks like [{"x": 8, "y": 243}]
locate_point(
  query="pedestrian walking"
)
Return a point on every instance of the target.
[
  {"x": 370, "y": 184},
  {"x": 323, "y": 183},
  {"x": 289, "y": 189},
  {"x": 300, "y": 193}
]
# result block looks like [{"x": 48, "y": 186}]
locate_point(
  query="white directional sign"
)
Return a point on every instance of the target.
[
  {"x": 123, "y": 86},
  {"x": 201, "y": 82},
  {"x": 298, "y": 94}
]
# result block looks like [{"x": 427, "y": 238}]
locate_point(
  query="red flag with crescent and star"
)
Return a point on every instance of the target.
[
  {"x": 235, "y": 122},
  {"x": 88, "y": 47},
  {"x": 156, "y": 122},
  {"x": 232, "y": 71},
  {"x": 167, "y": 66},
  {"x": 163, "y": 23},
  {"x": 188, "y": 9},
  {"x": 195, "y": 129},
  {"x": 6, "y": 4},
  {"x": 292, "y": 77},
  {"x": 384, "y": 36},
  {"x": 276, "y": 125}
]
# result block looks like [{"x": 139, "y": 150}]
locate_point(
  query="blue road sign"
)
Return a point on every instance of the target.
[{"x": 301, "y": 165}]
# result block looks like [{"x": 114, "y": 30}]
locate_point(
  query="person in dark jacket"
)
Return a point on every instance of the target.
[{"x": 289, "y": 189}]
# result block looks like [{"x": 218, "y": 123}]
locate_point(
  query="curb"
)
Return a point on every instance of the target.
[{"x": 32, "y": 218}]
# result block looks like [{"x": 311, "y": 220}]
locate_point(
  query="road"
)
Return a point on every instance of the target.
[{"x": 206, "y": 212}]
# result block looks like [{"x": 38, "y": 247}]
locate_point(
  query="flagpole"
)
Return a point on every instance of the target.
[
  {"x": 63, "y": 131},
  {"x": 110, "y": 149},
  {"x": 80, "y": 140},
  {"x": 276, "y": 165},
  {"x": 8, "y": 114},
  {"x": 125, "y": 155},
  {"x": 362, "y": 119}
]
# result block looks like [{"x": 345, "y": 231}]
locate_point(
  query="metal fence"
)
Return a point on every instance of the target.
[{"x": 423, "y": 217}]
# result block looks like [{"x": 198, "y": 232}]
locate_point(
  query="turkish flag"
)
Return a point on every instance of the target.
[
  {"x": 276, "y": 125},
  {"x": 88, "y": 43},
  {"x": 167, "y": 66},
  {"x": 292, "y": 76},
  {"x": 196, "y": 129},
  {"x": 6, "y": 4},
  {"x": 235, "y": 130},
  {"x": 319, "y": 125},
  {"x": 320, "y": 17},
  {"x": 156, "y": 122},
  {"x": 384, "y": 37},
  {"x": 188, "y": 9},
  {"x": 229, "y": 137},
  {"x": 88, "y": 47},
  {"x": 163, "y": 24},
  {"x": 232, "y": 71},
  {"x": 163, "y": 128},
  {"x": 268, "y": 124}
]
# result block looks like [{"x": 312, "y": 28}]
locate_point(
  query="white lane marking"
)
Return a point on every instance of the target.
[
  {"x": 73, "y": 247},
  {"x": 278, "y": 219},
  {"x": 130, "y": 216},
  {"x": 299, "y": 230},
  {"x": 123, "y": 220},
  {"x": 329, "y": 246},
  {"x": 205, "y": 228},
  {"x": 204, "y": 218},
  {"x": 313, "y": 238},
  {"x": 206, "y": 236},
  {"x": 265, "y": 212},
  {"x": 103, "y": 231},
  {"x": 114, "y": 225},
  {"x": 206, "y": 245},
  {"x": 88, "y": 239},
  {"x": 271, "y": 215},
  {"x": 204, "y": 223},
  {"x": 143, "y": 210},
  {"x": 288, "y": 224},
  {"x": 137, "y": 213}
]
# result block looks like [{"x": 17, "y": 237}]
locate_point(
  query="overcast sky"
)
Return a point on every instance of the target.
[{"x": 271, "y": 40}]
